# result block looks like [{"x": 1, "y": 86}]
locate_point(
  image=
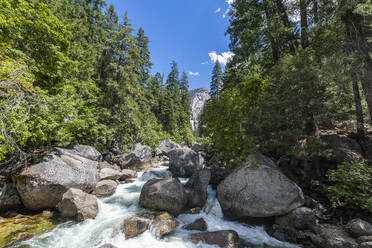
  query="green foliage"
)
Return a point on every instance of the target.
[{"x": 351, "y": 185}]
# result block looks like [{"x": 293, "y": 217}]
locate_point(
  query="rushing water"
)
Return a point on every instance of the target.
[{"x": 123, "y": 204}]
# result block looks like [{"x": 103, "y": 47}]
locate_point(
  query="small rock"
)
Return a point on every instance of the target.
[
  {"x": 363, "y": 239},
  {"x": 78, "y": 204},
  {"x": 366, "y": 245},
  {"x": 224, "y": 239},
  {"x": 332, "y": 236},
  {"x": 88, "y": 152},
  {"x": 109, "y": 174},
  {"x": 108, "y": 246},
  {"x": 358, "y": 227},
  {"x": 164, "y": 224},
  {"x": 134, "y": 226},
  {"x": 105, "y": 164},
  {"x": 10, "y": 214},
  {"x": 105, "y": 188},
  {"x": 193, "y": 211},
  {"x": 47, "y": 214},
  {"x": 21, "y": 237},
  {"x": 199, "y": 225},
  {"x": 127, "y": 174}
]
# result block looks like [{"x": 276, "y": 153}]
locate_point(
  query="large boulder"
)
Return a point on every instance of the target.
[
  {"x": 183, "y": 162},
  {"x": 223, "y": 239},
  {"x": 164, "y": 224},
  {"x": 300, "y": 218},
  {"x": 139, "y": 156},
  {"x": 79, "y": 205},
  {"x": 105, "y": 188},
  {"x": 258, "y": 189},
  {"x": 196, "y": 188},
  {"x": 88, "y": 152},
  {"x": 42, "y": 185},
  {"x": 9, "y": 198},
  {"x": 164, "y": 194},
  {"x": 132, "y": 227},
  {"x": 110, "y": 174},
  {"x": 217, "y": 175},
  {"x": 166, "y": 146},
  {"x": 358, "y": 227}
]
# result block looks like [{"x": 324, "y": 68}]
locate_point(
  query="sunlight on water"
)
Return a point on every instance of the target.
[{"x": 123, "y": 204}]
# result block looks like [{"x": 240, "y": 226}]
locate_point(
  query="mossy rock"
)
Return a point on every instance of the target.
[{"x": 10, "y": 228}]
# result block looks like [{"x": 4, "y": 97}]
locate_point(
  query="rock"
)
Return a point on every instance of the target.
[
  {"x": 198, "y": 224},
  {"x": 366, "y": 245},
  {"x": 155, "y": 174},
  {"x": 164, "y": 224},
  {"x": 358, "y": 227},
  {"x": 88, "y": 152},
  {"x": 343, "y": 147},
  {"x": 224, "y": 239},
  {"x": 9, "y": 198},
  {"x": 108, "y": 246},
  {"x": 134, "y": 226},
  {"x": 139, "y": 156},
  {"x": 110, "y": 174},
  {"x": 21, "y": 237},
  {"x": 258, "y": 189},
  {"x": 300, "y": 218},
  {"x": 184, "y": 162},
  {"x": 105, "y": 188},
  {"x": 79, "y": 205},
  {"x": 363, "y": 239},
  {"x": 105, "y": 164},
  {"x": 164, "y": 195},
  {"x": 198, "y": 148},
  {"x": 332, "y": 236},
  {"x": 127, "y": 174},
  {"x": 47, "y": 214},
  {"x": 193, "y": 211},
  {"x": 42, "y": 185},
  {"x": 217, "y": 175},
  {"x": 198, "y": 97},
  {"x": 166, "y": 146},
  {"x": 196, "y": 188}
]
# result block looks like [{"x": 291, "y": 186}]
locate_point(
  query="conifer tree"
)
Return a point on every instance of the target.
[{"x": 217, "y": 80}]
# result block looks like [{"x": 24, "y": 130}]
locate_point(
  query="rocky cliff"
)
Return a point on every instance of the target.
[{"x": 198, "y": 99}]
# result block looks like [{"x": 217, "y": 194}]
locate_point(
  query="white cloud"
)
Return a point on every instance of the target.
[
  {"x": 205, "y": 63},
  {"x": 218, "y": 10},
  {"x": 230, "y": 1},
  {"x": 224, "y": 15},
  {"x": 222, "y": 58},
  {"x": 194, "y": 73}
]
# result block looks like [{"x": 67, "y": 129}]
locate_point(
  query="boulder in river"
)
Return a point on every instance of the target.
[
  {"x": 164, "y": 224},
  {"x": 198, "y": 224},
  {"x": 42, "y": 185},
  {"x": 79, "y": 205},
  {"x": 137, "y": 158},
  {"x": 9, "y": 198},
  {"x": 166, "y": 146},
  {"x": 224, "y": 239},
  {"x": 258, "y": 189},
  {"x": 358, "y": 227},
  {"x": 105, "y": 188},
  {"x": 164, "y": 195},
  {"x": 127, "y": 174},
  {"x": 109, "y": 174},
  {"x": 183, "y": 162},
  {"x": 132, "y": 227},
  {"x": 196, "y": 188},
  {"x": 88, "y": 152}
]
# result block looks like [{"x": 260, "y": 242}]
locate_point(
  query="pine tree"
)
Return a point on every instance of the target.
[{"x": 217, "y": 80}]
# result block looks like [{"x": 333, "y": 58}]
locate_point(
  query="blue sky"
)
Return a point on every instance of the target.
[{"x": 187, "y": 31}]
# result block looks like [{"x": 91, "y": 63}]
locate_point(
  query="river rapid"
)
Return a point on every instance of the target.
[{"x": 124, "y": 204}]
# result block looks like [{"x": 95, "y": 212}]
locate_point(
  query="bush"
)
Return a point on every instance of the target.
[{"x": 351, "y": 185}]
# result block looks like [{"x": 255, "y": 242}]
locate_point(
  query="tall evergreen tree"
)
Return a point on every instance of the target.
[{"x": 217, "y": 80}]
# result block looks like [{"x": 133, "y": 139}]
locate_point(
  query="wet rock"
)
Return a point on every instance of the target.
[
  {"x": 155, "y": 174},
  {"x": 164, "y": 224},
  {"x": 88, "y": 152},
  {"x": 258, "y": 189},
  {"x": 183, "y": 162},
  {"x": 193, "y": 211},
  {"x": 21, "y": 237},
  {"x": 217, "y": 175},
  {"x": 358, "y": 227},
  {"x": 110, "y": 174},
  {"x": 127, "y": 174},
  {"x": 300, "y": 218},
  {"x": 224, "y": 239},
  {"x": 366, "y": 245},
  {"x": 166, "y": 146},
  {"x": 139, "y": 156},
  {"x": 108, "y": 246},
  {"x": 164, "y": 195},
  {"x": 196, "y": 188},
  {"x": 105, "y": 188},
  {"x": 9, "y": 198},
  {"x": 79, "y": 205},
  {"x": 198, "y": 224},
  {"x": 42, "y": 185},
  {"x": 134, "y": 226}
]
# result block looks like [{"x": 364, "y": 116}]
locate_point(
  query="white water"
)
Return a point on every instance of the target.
[{"x": 123, "y": 204}]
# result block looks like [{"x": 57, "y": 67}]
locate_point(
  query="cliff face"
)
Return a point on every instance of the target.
[{"x": 198, "y": 99}]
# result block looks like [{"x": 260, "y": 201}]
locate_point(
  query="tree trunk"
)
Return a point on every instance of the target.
[
  {"x": 282, "y": 12},
  {"x": 304, "y": 27},
  {"x": 358, "y": 109},
  {"x": 316, "y": 11}
]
